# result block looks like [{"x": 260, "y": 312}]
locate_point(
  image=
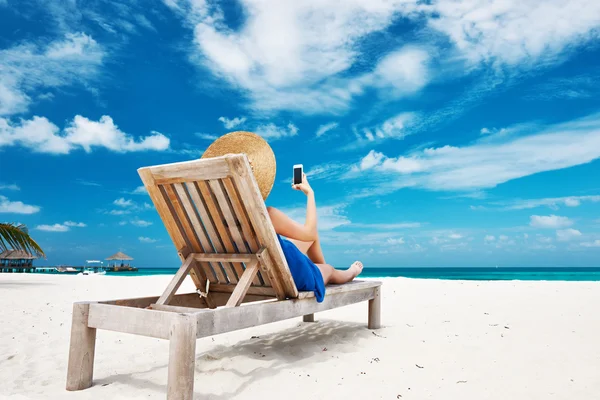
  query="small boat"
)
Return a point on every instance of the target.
[
  {"x": 92, "y": 268},
  {"x": 89, "y": 271}
]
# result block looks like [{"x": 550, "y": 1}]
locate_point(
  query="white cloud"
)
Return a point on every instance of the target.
[
  {"x": 206, "y": 136},
  {"x": 323, "y": 129},
  {"x": 455, "y": 236},
  {"x": 4, "y": 186},
  {"x": 75, "y": 224},
  {"x": 274, "y": 132},
  {"x": 141, "y": 223},
  {"x": 140, "y": 190},
  {"x": 512, "y": 33},
  {"x": 16, "y": 207},
  {"x": 121, "y": 202},
  {"x": 328, "y": 217},
  {"x": 118, "y": 212},
  {"x": 544, "y": 239},
  {"x": 40, "y": 135},
  {"x": 27, "y": 67},
  {"x": 232, "y": 123},
  {"x": 144, "y": 239},
  {"x": 567, "y": 234},
  {"x": 391, "y": 226},
  {"x": 53, "y": 228},
  {"x": 64, "y": 227},
  {"x": 394, "y": 241},
  {"x": 485, "y": 131},
  {"x": 503, "y": 238},
  {"x": 595, "y": 243},
  {"x": 489, "y": 238},
  {"x": 488, "y": 163},
  {"x": 550, "y": 202},
  {"x": 394, "y": 127},
  {"x": 549, "y": 221},
  {"x": 293, "y": 55}
]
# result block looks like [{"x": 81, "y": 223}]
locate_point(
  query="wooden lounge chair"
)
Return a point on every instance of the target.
[{"x": 217, "y": 219}]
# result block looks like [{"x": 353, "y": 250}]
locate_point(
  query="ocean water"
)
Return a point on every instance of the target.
[{"x": 480, "y": 274}]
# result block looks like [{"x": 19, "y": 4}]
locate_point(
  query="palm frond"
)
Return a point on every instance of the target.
[{"x": 16, "y": 237}]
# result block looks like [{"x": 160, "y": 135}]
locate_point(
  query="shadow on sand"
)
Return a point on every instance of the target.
[{"x": 290, "y": 348}]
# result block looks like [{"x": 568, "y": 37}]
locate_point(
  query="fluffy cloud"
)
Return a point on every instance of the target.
[
  {"x": 293, "y": 55},
  {"x": 144, "y": 239},
  {"x": 489, "y": 238},
  {"x": 566, "y": 235},
  {"x": 323, "y": 129},
  {"x": 394, "y": 241},
  {"x": 232, "y": 123},
  {"x": 26, "y": 68},
  {"x": 550, "y": 202},
  {"x": 595, "y": 243},
  {"x": 490, "y": 162},
  {"x": 140, "y": 190},
  {"x": 16, "y": 207},
  {"x": 40, "y": 135},
  {"x": 274, "y": 132},
  {"x": 4, "y": 186},
  {"x": 329, "y": 217},
  {"x": 121, "y": 202},
  {"x": 140, "y": 223},
  {"x": 507, "y": 33},
  {"x": 549, "y": 221},
  {"x": 64, "y": 227}
]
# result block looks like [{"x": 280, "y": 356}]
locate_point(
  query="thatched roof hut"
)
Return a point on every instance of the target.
[
  {"x": 119, "y": 256},
  {"x": 16, "y": 258}
]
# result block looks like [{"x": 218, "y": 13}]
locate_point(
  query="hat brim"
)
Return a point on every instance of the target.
[{"x": 257, "y": 150}]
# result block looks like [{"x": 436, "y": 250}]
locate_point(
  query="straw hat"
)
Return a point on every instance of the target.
[{"x": 256, "y": 149}]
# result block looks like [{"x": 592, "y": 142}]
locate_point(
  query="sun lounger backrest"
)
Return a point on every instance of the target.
[{"x": 214, "y": 206}]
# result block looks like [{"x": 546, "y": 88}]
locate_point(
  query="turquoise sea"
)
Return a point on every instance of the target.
[{"x": 483, "y": 274}]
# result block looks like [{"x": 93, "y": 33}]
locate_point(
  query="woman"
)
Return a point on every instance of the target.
[{"x": 302, "y": 248}]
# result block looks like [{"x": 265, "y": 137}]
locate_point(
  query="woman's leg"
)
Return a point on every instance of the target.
[
  {"x": 339, "y": 276},
  {"x": 312, "y": 250}
]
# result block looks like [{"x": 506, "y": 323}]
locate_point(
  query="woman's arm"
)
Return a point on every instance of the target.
[{"x": 287, "y": 227}]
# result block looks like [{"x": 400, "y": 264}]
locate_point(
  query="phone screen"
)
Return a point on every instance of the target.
[{"x": 297, "y": 175}]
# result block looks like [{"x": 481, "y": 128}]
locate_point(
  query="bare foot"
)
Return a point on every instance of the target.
[{"x": 356, "y": 268}]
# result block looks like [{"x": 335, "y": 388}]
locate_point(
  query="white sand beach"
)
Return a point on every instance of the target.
[{"x": 440, "y": 340}]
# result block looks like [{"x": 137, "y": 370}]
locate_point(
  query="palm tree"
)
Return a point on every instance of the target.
[{"x": 16, "y": 237}]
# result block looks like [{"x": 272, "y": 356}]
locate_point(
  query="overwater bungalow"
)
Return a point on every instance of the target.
[
  {"x": 16, "y": 261},
  {"x": 116, "y": 267}
]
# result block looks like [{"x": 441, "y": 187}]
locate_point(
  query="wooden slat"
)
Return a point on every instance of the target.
[
  {"x": 226, "y": 257},
  {"x": 182, "y": 272},
  {"x": 257, "y": 212},
  {"x": 188, "y": 171},
  {"x": 218, "y": 242},
  {"x": 229, "y": 319},
  {"x": 247, "y": 231},
  {"x": 188, "y": 231},
  {"x": 243, "y": 285},
  {"x": 269, "y": 270},
  {"x": 216, "y": 215},
  {"x": 198, "y": 228},
  {"x": 80, "y": 367},
  {"x": 192, "y": 300},
  {"x": 138, "y": 321},
  {"x": 228, "y": 214},
  {"x": 346, "y": 287},
  {"x": 177, "y": 309},
  {"x": 169, "y": 221},
  {"x": 257, "y": 290},
  {"x": 240, "y": 213}
]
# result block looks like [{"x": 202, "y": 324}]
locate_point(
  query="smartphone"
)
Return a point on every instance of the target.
[{"x": 298, "y": 174}]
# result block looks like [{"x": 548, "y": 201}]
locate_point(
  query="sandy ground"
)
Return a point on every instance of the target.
[{"x": 440, "y": 340}]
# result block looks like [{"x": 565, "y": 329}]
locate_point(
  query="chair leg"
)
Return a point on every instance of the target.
[
  {"x": 309, "y": 318},
  {"x": 182, "y": 359},
  {"x": 375, "y": 310},
  {"x": 80, "y": 369}
]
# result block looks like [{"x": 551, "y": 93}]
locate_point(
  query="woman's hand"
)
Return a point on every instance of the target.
[{"x": 304, "y": 186}]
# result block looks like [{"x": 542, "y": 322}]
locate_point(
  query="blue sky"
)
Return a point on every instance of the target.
[{"x": 459, "y": 133}]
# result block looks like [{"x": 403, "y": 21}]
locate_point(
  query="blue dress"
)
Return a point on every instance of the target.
[{"x": 306, "y": 274}]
